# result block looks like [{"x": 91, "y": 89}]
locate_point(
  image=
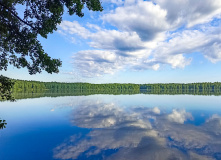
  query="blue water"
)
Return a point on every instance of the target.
[{"x": 110, "y": 127}]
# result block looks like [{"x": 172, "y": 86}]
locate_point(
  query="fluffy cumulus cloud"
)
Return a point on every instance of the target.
[
  {"x": 206, "y": 41},
  {"x": 190, "y": 13},
  {"x": 96, "y": 62},
  {"x": 142, "y": 17},
  {"x": 141, "y": 35}
]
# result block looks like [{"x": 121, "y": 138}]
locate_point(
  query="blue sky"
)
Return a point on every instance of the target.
[{"x": 135, "y": 41}]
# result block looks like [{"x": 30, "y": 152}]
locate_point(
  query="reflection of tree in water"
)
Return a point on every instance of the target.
[
  {"x": 2, "y": 124},
  {"x": 130, "y": 135}
]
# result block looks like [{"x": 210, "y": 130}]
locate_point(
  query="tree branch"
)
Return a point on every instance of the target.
[{"x": 17, "y": 16}]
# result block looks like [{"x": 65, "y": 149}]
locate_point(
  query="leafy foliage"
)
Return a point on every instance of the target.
[
  {"x": 2, "y": 124},
  {"x": 6, "y": 86},
  {"x": 18, "y": 36}
]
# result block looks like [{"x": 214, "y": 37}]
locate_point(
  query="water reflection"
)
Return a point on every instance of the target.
[{"x": 140, "y": 133}]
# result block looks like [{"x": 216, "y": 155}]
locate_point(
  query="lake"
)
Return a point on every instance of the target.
[{"x": 112, "y": 127}]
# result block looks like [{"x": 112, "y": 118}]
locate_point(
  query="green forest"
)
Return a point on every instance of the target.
[
  {"x": 57, "y": 88},
  {"x": 35, "y": 86}
]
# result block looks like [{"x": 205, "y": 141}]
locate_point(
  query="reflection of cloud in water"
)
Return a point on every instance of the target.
[
  {"x": 156, "y": 110},
  {"x": 101, "y": 140},
  {"x": 201, "y": 139},
  {"x": 130, "y": 133},
  {"x": 214, "y": 125},
  {"x": 150, "y": 149},
  {"x": 179, "y": 116},
  {"x": 99, "y": 115}
]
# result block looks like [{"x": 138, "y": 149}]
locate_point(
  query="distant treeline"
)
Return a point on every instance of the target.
[
  {"x": 206, "y": 88},
  {"x": 35, "y": 86}
]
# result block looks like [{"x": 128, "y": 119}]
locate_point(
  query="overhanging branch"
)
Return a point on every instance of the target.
[{"x": 17, "y": 16}]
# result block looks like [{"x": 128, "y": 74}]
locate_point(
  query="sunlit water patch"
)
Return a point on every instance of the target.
[{"x": 112, "y": 127}]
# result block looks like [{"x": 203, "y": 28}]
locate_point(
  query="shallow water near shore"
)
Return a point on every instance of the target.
[{"x": 112, "y": 127}]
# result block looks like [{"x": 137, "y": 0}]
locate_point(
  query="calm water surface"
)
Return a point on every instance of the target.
[{"x": 120, "y": 127}]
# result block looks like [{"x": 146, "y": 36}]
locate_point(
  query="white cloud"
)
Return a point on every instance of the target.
[
  {"x": 147, "y": 36},
  {"x": 213, "y": 52},
  {"x": 93, "y": 26},
  {"x": 73, "y": 28},
  {"x": 103, "y": 39},
  {"x": 115, "y": 40},
  {"x": 206, "y": 41},
  {"x": 143, "y": 17},
  {"x": 177, "y": 61},
  {"x": 190, "y": 12},
  {"x": 96, "y": 62}
]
